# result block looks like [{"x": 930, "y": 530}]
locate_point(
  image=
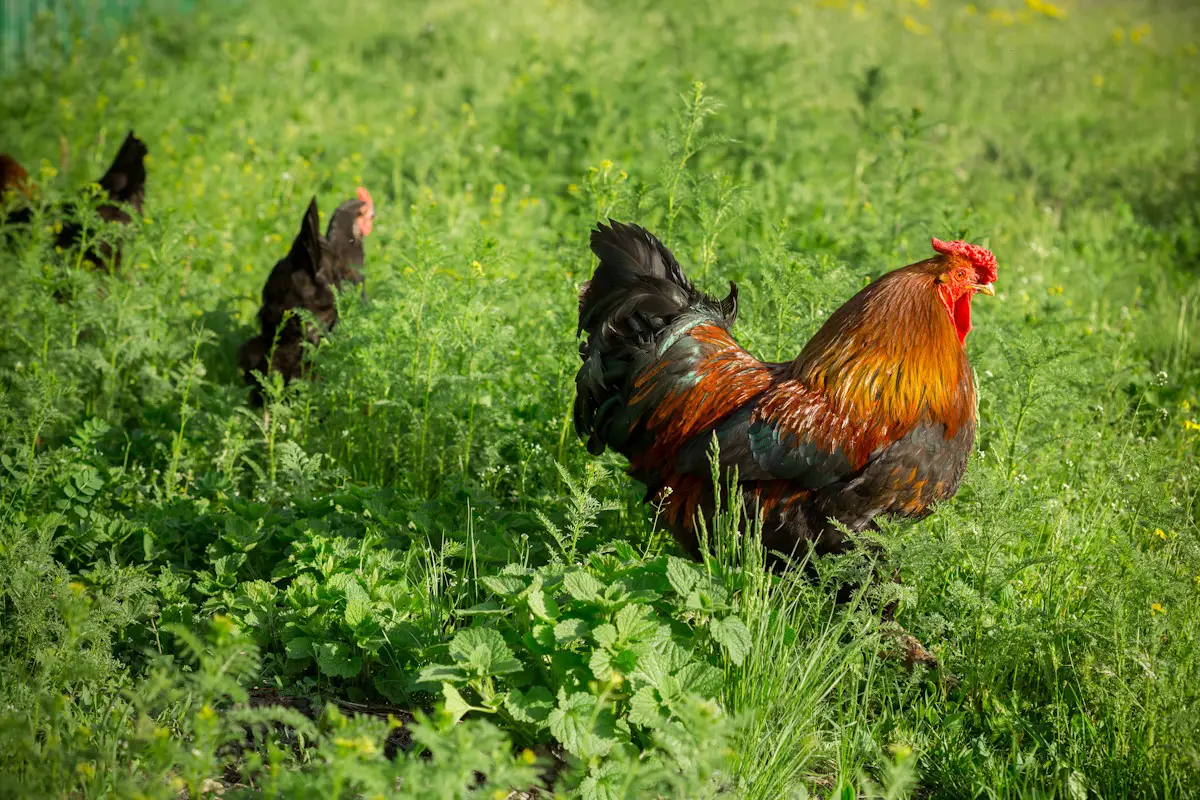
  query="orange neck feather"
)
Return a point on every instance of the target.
[{"x": 891, "y": 356}]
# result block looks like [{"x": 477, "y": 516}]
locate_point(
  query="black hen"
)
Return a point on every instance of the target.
[
  {"x": 305, "y": 279},
  {"x": 123, "y": 185},
  {"x": 300, "y": 280}
]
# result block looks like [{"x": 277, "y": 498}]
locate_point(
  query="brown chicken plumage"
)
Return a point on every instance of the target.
[
  {"x": 876, "y": 416},
  {"x": 14, "y": 180},
  {"x": 305, "y": 279},
  {"x": 350, "y": 224}
]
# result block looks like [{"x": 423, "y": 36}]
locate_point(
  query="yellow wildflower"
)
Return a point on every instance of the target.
[
  {"x": 1001, "y": 16},
  {"x": 606, "y": 164},
  {"x": 1156, "y": 608},
  {"x": 912, "y": 26},
  {"x": 528, "y": 756},
  {"x": 572, "y": 188},
  {"x": 1047, "y": 8},
  {"x": 1118, "y": 35},
  {"x": 1098, "y": 80},
  {"x": 1140, "y": 32},
  {"x": 1191, "y": 425},
  {"x": 1055, "y": 290},
  {"x": 1159, "y": 533}
]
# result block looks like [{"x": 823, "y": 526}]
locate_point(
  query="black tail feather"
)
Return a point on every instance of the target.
[
  {"x": 306, "y": 247},
  {"x": 637, "y": 276},
  {"x": 125, "y": 181},
  {"x": 638, "y": 289}
]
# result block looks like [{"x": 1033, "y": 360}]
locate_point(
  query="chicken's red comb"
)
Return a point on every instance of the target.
[
  {"x": 365, "y": 196},
  {"x": 366, "y": 214},
  {"x": 980, "y": 257}
]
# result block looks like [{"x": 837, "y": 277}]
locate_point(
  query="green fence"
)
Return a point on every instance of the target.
[{"x": 29, "y": 26}]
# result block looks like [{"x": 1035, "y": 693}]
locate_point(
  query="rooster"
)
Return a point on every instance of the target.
[
  {"x": 876, "y": 416},
  {"x": 123, "y": 185},
  {"x": 305, "y": 279}
]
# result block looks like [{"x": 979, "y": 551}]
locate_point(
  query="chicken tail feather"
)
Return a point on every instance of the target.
[
  {"x": 125, "y": 181},
  {"x": 638, "y": 290},
  {"x": 306, "y": 248}
]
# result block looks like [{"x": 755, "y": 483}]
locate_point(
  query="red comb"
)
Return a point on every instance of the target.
[
  {"x": 366, "y": 214},
  {"x": 365, "y": 196},
  {"x": 980, "y": 257}
]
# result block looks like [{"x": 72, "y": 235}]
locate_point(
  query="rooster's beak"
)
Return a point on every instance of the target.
[{"x": 984, "y": 288}]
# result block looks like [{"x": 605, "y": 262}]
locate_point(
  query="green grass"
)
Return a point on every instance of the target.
[{"x": 398, "y": 531}]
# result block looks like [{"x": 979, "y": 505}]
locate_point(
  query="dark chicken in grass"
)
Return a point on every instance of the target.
[
  {"x": 876, "y": 416},
  {"x": 123, "y": 186},
  {"x": 305, "y": 279},
  {"x": 14, "y": 180}
]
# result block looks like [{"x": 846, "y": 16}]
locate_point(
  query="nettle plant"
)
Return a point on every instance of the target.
[
  {"x": 329, "y": 589},
  {"x": 614, "y": 656}
]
